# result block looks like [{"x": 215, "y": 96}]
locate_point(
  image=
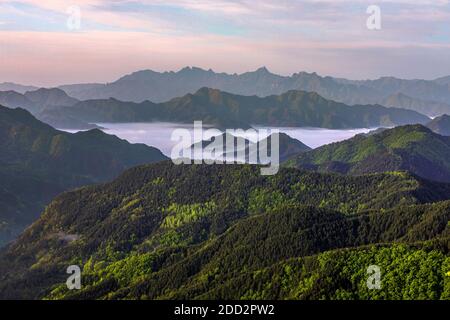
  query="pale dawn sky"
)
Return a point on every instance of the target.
[{"x": 41, "y": 45}]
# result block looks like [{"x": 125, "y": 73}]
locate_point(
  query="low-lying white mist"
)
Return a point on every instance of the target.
[{"x": 157, "y": 134}]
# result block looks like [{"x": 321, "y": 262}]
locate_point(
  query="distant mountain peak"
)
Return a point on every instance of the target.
[
  {"x": 406, "y": 101},
  {"x": 263, "y": 70},
  {"x": 21, "y": 115},
  {"x": 11, "y": 92},
  {"x": 48, "y": 91},
  {"x": 304, "y": 73},
  {"x": 50, "y": 97},
  {"x": 189, "y": 69},
  {"x": 400, "y": 95},
  {"x": 440, "y": 125},
  {"x": 388, "y": 78},
  {"x": 294, "y": 94},
  {"x": 11, "y": 86},
  {"x": 206, "y": 91},
  {"x": 185, "y": 69},
  {"x": 443, "y": 80}
]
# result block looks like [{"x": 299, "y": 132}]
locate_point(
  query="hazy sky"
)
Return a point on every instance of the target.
[{"x": 118, "y": 37}]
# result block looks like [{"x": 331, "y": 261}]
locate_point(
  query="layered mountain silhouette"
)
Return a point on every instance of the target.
[
  {"x": 443, "y": 80},
  {"x": 13, "y": 99},
  {"x": 158, "y": 87},
  {"x": 10, "y": 86},
  {"x": 37, "y": 162},
  {"x": 45, "y": 98},
  {"x": 41, "y": 100},
  {"x": 36, "y": 101},
  {"x": 428, "y": 90},
  {"x": 431, "y": 108},
  {"x": 225, "y": 110},
  {"x": 414, "y": 148}
]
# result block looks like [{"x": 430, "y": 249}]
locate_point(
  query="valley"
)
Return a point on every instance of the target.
[{"x": 157, "y": 134}]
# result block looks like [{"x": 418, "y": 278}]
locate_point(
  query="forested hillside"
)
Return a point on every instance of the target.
[
  {"x": 412, "y": 148},
  {"x": 37, "y": 162},
  {"x": 166, "y": 231}
]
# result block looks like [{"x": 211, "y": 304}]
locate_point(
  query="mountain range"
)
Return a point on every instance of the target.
[
  {"x": 37, "y": 162},
  {"x": 413, "y": 148},
  {"x": 38, "y": 100},
  {"x": 430, "y": 97},
  {"x": 13, "y": 99},
  {"x": 47, "y": 98},
  {"x": 41, "y": 100},
  {"x": 429, "y": 108},
  {"x": 225, "y": 110},
  {"x": 141, "y": 227},
  {"x": 10, "y": 86},
  {"x": 159, "y": 87}
]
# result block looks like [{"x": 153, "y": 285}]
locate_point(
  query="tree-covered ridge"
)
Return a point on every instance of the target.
[
  {"x": 168, "y": 231},
  {"x": 37, "y": 162},
  {"x": 412, "y": 148},
  {"x": 409, "y": 272},
  {"x": 29, "y": 143},
  {"x": 234, "y": 265},
  {"x": 225, "y": 110}
]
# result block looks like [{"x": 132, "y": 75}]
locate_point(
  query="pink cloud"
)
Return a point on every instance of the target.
[
  {"x": 54, "y": 58},
  {"x": 280, "y": 35}
]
